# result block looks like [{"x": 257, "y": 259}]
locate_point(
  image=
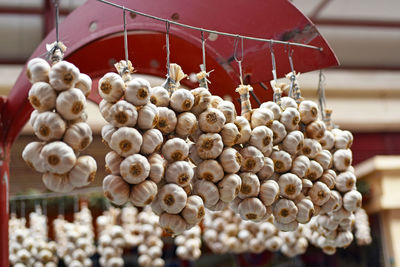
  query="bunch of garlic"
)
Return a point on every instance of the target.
[
  {"x": 294, "y": 243},
  {"x": 133, "y": 235},
  {"x": 58, "y": 95},
  {"x": 363, "y": 231},
  {"x": 189, "y": 244}
]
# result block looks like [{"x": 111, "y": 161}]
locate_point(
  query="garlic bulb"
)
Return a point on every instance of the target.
[
  {"x": 208, "y": 191},
  {"x": 157, "y": 167},
  {"x": 32, "y": 157},
  {"x": 175, "y": 149},
  {"x": 181, "y": 100},
  {"x": 333, "y": 204},
  {"x": 193, "y": 155},
  {"x": 106, "y": 133},
  {"x": 300, "y": 166},
  {"x": 229, "y": 187},
  {"x": 342, "y": 159},
  {"x": 84, "y": 83},
  {"x": 210, "y": 170},
  {"x": 159, "y": 96},
  {"x": 147, "y": 116},
  {"x": 327, "y": 141},
  {"x": 135, "y": 169},
  {"x": 274, "y": 107},
  {"x": 78, "y": 136},
  {"x": 316, "y": 129},
  {"x": 230, "y": 160},
  {"x": 267, "y": 170},
  {"x": 269, "y": 192},
  {"x": 229, "y": 111},
  {"x": 315, "y": 171},
  {"x": 172, "y": 224},
  {"x": 215, "y": 101},
  {"x": 143, "y": 193},
  {"x": 305, "y": 210},
  {"x": 324, "y": 158},
  {"x": 120, "y": 114},
  {"x": 244, "y": 128},
  {"x": 311, "y": 148},
  {"x": 166, "y": 120},
  {"x": 329, "y": 178},
  {"x": 137, "y": 92},
  {"x": 186, "y": 124},
  {"x": 285, "y": 211},
  {"x": 194, "y": 211},
  {"x": 202, "y": 100},
  {"x": 319, "y": 193},
  {"x": 352, "y": 200},
  {"x": 282, "y": 161},
  {"x": 113, "y": 161},
  {"x": 126, "y": 141},
  {"x": 343, "y": 139},
  {"x": 172, "y": 198},
  {"x": 287, "y": 102},
  {"x": 38, "y": 70},
  {"x": 84, "y": 171},
  {"x": 261, "y": 117},
  {"x": 308, "y": 111},
  {"x": 209, "y": 146},
  {"x": 105, "y": 109},
  {"x": 180, "y": 173},
  {"x": 211, "y": 120},
  {"x": 152, "y": 141},
  {"x": 261, "y": 138},
  {"x": 111, "y": 87},
  {"x": 230, "y": 134},
  {"x": 279, "y": 132},
  {"x": 71, "y": 104},
  {"x": 116, "y": 189},
  {"x": 49, "y": 126},
  {"x": 250, "y": 185},
  {"x": 344, "y": 239},
  {"x": 290, "y": 118},
  {"x": 253, "y": 159},
  {"x": 42, "y": 96},
  {"x": 293, "y": 142},
  {"x": 252, "y": 209},
  {"x": 33, "y": 117},
  {"x": 58, "y": 157},
  {"x": 289, "y": 185},
  {"x": 57, "y": 182},
  {"x": 63, "y": 75}
]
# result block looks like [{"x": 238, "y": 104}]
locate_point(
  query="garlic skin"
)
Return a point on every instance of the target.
[
  {"x": 135, "y": 169},
  {"x": 58, "y": 157},
  {"x": 244, "y": 128},
  {"x": 230, "y": 160},
  {"x": 315, "y": 171},
  {"x": 84, "y": 171},
  {"x": 327, "y": 141},
  {"x": 253, "y": 159},
  {"x": 324, "y": 158},
  {"x": 290, "y": 118},
  {"x": 137, "y": 92},
  {"x": 261, "y": 138},
  {"x": 193, "y": 155},
  {"x": 230, "y": 134},
  {"x": 308, "y": 111},
  {"x": 209, "y": 145},
  {"x": 105, "y": 109},
  {"x": 147, "y": 116},
  {"x": 261, "y": 117},
  {"x": 113, "y": 161},
  {"x": 166, "y": 120},
  {"x": 63, "y": 75},
  {"x": 215, "y": 101},
  {"x": 32, "y": 157},
  {"x": 250, "y": 185},
  {"x": 57, "y": 182},
  {"x": 194, "y": 211},
  {"x": 288, "y": 102},
  {"x": 181, "y": 100},
  {"x": 116, "y": 189},
  {"x": 282, "y": 161},
  {"x": 211, "y": 120},
  {"x": 33, "y": 117},
  {"x": 208, "y": 191},
  {"x": 186, "y": 124},
  {"x": 126, "y": 141},
  {"x": 143, "y": 194},
  {"x": 49, "y": 126},
  {"x": 252, "y": 209},
  {"x": 172, "y": 224},
  {"x": 202, "y": 100},
  {"x": 37, "y": 70},
  {"x": 106, "y": 133},
  {"x": 157, "y": 167},
  {"x": 229, "y": 187},
  {"x": 334, "y": 203},
  {"x": 285, "y": 211},
  {"x": 305, "y": 210},
  {"x": 210, "y": 170},
  {"x": 120, "y": 114},
  {"x": 311, "y": 148},
  {"x": 267, "y": 170},
  {"x": 111, "y": 87},
  {"x": 84, "y": 83},
  {"x": 342, "y": 159},
  {"x": 274, "y": 107},
  {"x": 175, "y": 149},
  {"x": 319, "y": 193},
  {"x": 316, "y": 129},
  {"x": 343, "y": 139},
  {"x": 78, "y": 136},
  {"x": 289, "y": 185},
  {"x": 180, "y": 173},
  {"x": 229, "y": 111},
  {"x": 328, "y": 178},
  {"x": 172, "y": 198},
  {"x": 152, "y": 141},
  {"x": 269, "y": 192},
  {"x": 71, "y": 104},
  {"x": 344, "y": 239},
  {"x": 293, "y": 142},
  {"x": 42, "y": 96},
  {"x": 279, "y": 132},
  {"x": 300, "y": 166},
  {"x": 159, "y": 96},
  {"x": 352, "y": 200}
]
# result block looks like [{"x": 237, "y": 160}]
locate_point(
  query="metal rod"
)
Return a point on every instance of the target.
[
  {"x": 56, "y": 195},
  {"x": 125, "y": 37},
  {"x": 273, "y": 61},
  {"x": 211, "y": 31},
  {"x": 203, "y": 49},
  {"x": 57, "y": 19},
  {"x": 167, "y": 25},
  {"x": 239, "y": 61}
]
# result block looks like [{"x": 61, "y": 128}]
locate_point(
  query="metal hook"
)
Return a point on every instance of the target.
[
  {"x": 57, "y": 19},
  {"x": 125, "y": 36},
  {"x": 167, "y": 26},
  {"x": 236, "y": 58},
  {"x": 271, "y": 49},
  {"x": 290, "y": 53}
]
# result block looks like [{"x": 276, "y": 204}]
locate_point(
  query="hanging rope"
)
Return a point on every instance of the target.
[{"x": 239, "y": 61}]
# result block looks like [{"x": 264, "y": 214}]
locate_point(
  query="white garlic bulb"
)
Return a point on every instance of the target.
[
  {"x": 300, "y": 166},
  {"x": 282, "y": 161},
  {"x": 305, "y": 210},
  {"x": 84, "y": 171},
  {"x": 211, "y": 120},
  {"x": 175, "y": 149},
  {"x": 143, "y": 193},
  {"x": 157, "y": 167},
  {"x": 78, "y": 136},
  {"x": 42, "y": 96},
  {"x": 120, "y": 114},
  {"x": 84, "y": 83},
  {"x": 63, "y": 75},
  {"x": 152, "y": 141},
  {"x": 285, "y": 211},
  {"x": 274, "y": 107},
  {"x": 269, "y": 192},
  {"x": 172, "y": 198},
  {"x": 202, "y": 100},
  {"x": 316, "y": 129},
  {"x": 180, "y": 173},
  {"x": 32, "y": 157},
  {"x": 253, "y": 159},
  {"x": 244, "y": 128},
  {"x": 308, "y": 111},
  {"x": 230, "y": 134},
  {"x": 215, "y": 101},
  {"x": 311, "y": 148},
  {"x": 135, "y": 169},
  {"x": 147, "y": 116},
  {"x": 279, "y": 132},
  {"x": 287, "y": 102},
  {"x": 181, "y": 100},
  {"x": 319, "y": 193},
  {"x": 208, "y": 191},
  {"x": 209, "y": 146},
  {"x": 58, "y": 157},
  {"x": 193, "y": 155},
  {"x": 228, "y": 108},
  {"x": 267, "y": 170},
  {"x": 315, "y": 171},
  {"x": 38, "y": 70},
  {"x": 343, "y": 139},
  {"x": 137, "y": 91},
  {"x": 290, "y": 118},
  {"x": 333, "y": 204},
  {"x": 166, "y": 120},
  {"x": 250, "y": 185},
  {"x": 194, "y": 211},
  {"x": 229, "y": 187},
  {"x": 328, "y": 178},
  {"x": 252, "y": 209},
  {"x": 230, "y": 160},
  {"x": 71, "y": 104},
  {"x": 342, "y": 159},
  {"x": 57, "y": 182},
  {"x": 352, "y": 200},
  {"x": 159, "y": 96},
  {"x": 186, "y": 124},
  {"x": 261, "y": 117},
  {"x": 111, "y": 87},
  {"x": 116, "y": 189},
  {"x": 172, "y": 224},
  {"x": 289, "y": 185},
  {"x": 327, "y": 141},
  {"x": 126, "y": 141},
  {"x": 49, "y": 126},
  {"x": 261, "y": 138},
  {"x": 106, "y": 133},
  {"x": 210, "y": 170},
  {"x": 113, "y": 161},
  {"x": 293, "y": 142}
]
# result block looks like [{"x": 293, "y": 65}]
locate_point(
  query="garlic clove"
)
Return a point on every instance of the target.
[
  {"x": 135, "y": 169},
  {"x": 143, "y": 193},
  {"x": 137, "y": 91},
  {"x": 63, "y": 75},
  {"x": 172, "y": 198},
  {"x": 84, "y": 171}
]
